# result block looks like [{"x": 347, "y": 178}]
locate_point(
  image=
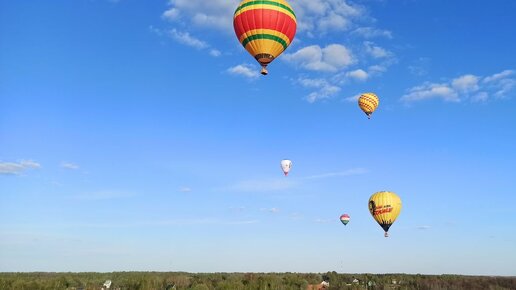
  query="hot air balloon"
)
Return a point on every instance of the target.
[
  {"x": 286, "y": 165},
  {"x": 344, "y": 218},
  {"x": 264, "y": 28},
  {"x": 385, "y": 206},
  {"x": 368, "y": 102}
]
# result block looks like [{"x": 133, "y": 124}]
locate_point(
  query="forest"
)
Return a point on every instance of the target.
[{"x": 254, "y": 281}]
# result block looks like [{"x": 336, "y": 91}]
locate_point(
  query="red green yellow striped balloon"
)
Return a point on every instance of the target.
[
  {"x": 368, "y": 102},
  {"x": 265, "y": 28},
  {"x": 344, "y": 219}
]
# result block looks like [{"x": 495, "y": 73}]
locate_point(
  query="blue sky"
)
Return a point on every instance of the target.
[{"x": 139, "y": 135}]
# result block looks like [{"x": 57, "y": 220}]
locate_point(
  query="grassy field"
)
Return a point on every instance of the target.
[{"x": 270, "y": 281}]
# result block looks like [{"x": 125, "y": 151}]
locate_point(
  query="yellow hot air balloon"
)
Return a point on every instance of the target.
[
  {"x": 368, "y": 102},
  {"x": 385, "y": 206},
  {"x": 265, "y": 28}
]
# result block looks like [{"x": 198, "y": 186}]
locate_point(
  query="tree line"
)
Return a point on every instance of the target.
[{"x": 244, "y": 281}]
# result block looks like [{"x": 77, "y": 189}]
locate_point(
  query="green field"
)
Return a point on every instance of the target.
[{"x": 258, "y": 281}]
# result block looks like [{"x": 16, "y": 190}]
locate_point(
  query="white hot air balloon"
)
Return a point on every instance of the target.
[{"x": 286, "y": 165}]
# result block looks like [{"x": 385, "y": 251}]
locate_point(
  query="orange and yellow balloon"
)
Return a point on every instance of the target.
[
  {"x": 368, "y": 102},
  {"x": 265, "y": 28},
  {"x": 385, "y": 206}
]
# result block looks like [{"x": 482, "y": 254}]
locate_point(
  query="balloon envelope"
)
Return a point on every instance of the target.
[
  {"x": 385, "y": 206},
  {"x": 285, "y": 166},
  {"x": 264, "y": 28},
  {"x": 368, "y": 102},
  {"x": 344, "y": 219}
]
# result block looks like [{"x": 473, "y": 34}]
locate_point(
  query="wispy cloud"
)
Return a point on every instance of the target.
[
  {"x": 69, "y": 165},
  {"x": 270, "y": 210},
  {"x": 279, "y": 184},
  {"x": 103, "y": 195},
  {"x": 246, "y": 70},
  {"x": 328, "y": 59},
  {"x": 324, "y": 89},
  {"x": 15, "y": 168},
  {"x": 474, "y": 88},
  {"x": 371, "y": 32},
  {"x": 263, "y": 185},
  {"x": 376, "y": 51},
  {"x": 324, "y": 221},
  {"x": 423, "y": 227},
  {"x": 349, "y": 172},
  {"x": 336, "y": 59},
  {"x": 163, "y": 223},
  {"x": 431, "y": 91},
  {"x": 215, "y": 14},
  {"x": 358, "y": 74},
  {"x": 352, "y": 99},
  {"x": 322, "y": 16},
  {"x": 185, "y": 189},
  {"x": 419, "y": 67},
  {"x": 187, "y": 39},
  {"x": 313, "y": 16},
  {"x": 215, "y": 52},
  {"x": 466, "y": 83}
]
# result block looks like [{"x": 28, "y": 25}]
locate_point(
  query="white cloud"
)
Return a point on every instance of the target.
[
  {"x": 480, "y": 97},
  {"x": 377, "y": 69},
  {"x": 271, "y": 210},
  {"x": 474, "y": 88},
  {"x": 352, "y": 99},
  {"x": 424, "y": 227},
  {"x": 171, "y": 14},
  {"x": 215, "y": 52},
  {"x": 498, "y": 76},
  {"x": 328, "y": 59},
  {"x": 371, "y": 32},
  {"x": 69, "y": 165},
  {"x": 466, "y": 83},
  {"x": 30, "y": 164},
  {"x": 324, "y": 90},
  {"x": 376, "y": 51},
  {"x": 501, "y": 83},
  {"x": 358, "y": 74},
  {"x": 325, "y": 15},
  {"x": 333, "y": 21},
  {"x": 13, "y": 168},
  {"x": 504, "y": 87},
  {"x": 217, "y": 14},
  {"x": 187, "y": 39},
  {"x": 431, "y": 91},
  {"x": 244, "y": 70}
]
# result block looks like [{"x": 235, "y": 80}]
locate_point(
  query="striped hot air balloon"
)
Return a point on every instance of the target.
[
  {"x": 265, "y": 28},
  {"x": 368, "y": 102},
  {"x": 344, "y": 219}
]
